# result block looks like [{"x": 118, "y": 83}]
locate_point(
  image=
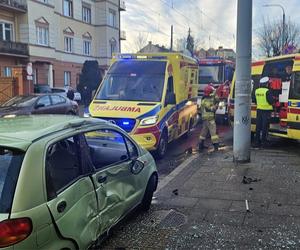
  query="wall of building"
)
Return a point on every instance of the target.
[{"x": 54, "y": 54}]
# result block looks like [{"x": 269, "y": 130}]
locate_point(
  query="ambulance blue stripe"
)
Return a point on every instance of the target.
[
  {"x": 170, "y": 113},
  {"x": 295, "y": 104},
  {"x": 150, "y": 113}
]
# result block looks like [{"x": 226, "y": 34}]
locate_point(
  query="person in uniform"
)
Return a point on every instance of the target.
[
  {"x": 288, "y": 74},
  {"x": 264, "y": 108},
  {"x": 209, "y": 104}
]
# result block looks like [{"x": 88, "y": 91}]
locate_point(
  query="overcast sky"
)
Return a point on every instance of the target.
[{"x": 212, "y": 22}]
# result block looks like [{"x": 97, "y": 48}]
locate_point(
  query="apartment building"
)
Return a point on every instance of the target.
[{"x": 59, "y": 35}]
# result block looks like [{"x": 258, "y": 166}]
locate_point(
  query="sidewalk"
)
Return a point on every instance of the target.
[{"x": 202, "y": 206}]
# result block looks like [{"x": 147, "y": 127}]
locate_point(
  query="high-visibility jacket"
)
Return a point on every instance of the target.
[
  {"x": 262, "y": 99},
  {"x": 208, "y": 108}
]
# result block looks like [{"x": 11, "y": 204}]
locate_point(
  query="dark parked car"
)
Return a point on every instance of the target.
[{"x": 39, "y": 104}]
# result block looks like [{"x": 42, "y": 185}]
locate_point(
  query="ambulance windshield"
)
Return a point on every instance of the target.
[{"x": 133, "y": 80}]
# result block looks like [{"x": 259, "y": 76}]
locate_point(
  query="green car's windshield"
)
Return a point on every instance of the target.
[
  {"x": 10, "y": 164},
  {"x": 132, "y": 80},
  {"x": 20, "y": 101}
]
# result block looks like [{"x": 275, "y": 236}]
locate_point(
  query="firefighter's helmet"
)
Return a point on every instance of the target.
[{"x": 208, "y": 90}]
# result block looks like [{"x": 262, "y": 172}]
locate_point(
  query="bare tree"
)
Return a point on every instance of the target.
[
  {"x": 270, "y": 36},
  {"x": 140, "y": 41}
]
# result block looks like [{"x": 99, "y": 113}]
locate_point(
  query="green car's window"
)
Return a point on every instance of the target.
[
  {"x": 107, "y": 147},
  {"x": 10, "y": 164},
  {"x": 63, "y": 165},
  {"x": 133, "y": 152}
]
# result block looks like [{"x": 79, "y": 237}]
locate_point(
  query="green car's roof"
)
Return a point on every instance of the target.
[{"x": 20, "y": 131}]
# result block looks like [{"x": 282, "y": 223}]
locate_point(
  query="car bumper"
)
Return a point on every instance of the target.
[{"x": 148, "y": 138}]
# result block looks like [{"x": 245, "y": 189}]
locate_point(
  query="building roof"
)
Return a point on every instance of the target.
[{"x": 150, "y": 47}]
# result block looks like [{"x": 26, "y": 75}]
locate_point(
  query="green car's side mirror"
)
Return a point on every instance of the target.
[{"x": 137, "y": 166}]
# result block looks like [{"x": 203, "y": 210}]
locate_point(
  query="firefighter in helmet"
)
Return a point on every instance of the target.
[{"x": 209, "y": 105}]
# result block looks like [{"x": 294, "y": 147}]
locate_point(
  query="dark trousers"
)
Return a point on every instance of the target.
[{"x": 262, "y": 125}]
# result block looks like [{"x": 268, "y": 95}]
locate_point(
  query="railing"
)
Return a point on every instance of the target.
[
  {"x": 15, "y": 48},
  {"x": 122, "y": 5},
  {"x": 123, "y": 35},
  {"x": 15, "y": 5}
]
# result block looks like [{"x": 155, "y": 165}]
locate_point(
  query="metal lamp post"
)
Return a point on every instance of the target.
[{"x": 283, "y": 22}]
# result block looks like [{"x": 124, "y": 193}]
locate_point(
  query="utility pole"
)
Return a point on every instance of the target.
[
  {"x": 171, "y": 47},
  {"x": 242, "y": 105}
]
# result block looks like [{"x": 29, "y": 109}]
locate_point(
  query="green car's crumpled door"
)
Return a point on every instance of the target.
[{"x": 71, "y": 195}]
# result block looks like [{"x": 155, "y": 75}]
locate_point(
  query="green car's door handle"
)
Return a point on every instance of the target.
[
  {"x": 102, "y": 179},
  {"x": 61, "y": 206}
]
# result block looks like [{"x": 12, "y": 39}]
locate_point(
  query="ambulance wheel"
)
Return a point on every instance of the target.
[{"x": 162, "y": 145}]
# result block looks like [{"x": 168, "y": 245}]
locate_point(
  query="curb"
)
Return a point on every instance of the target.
[{"x": 165, "y": 181}]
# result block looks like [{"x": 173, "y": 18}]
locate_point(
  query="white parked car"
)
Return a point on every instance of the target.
[{"x": 64, "y": 91}]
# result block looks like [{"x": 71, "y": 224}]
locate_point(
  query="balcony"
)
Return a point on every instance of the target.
[
  {"x": 18, "y": 6},
  {"x": 123, "y": 35},
  {"x": 14, "y": 49},
  {"x": 122, "y": 5}
]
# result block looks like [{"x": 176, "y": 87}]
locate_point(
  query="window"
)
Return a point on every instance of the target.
[
  {"x": 87, "y": 47},
  {"x": 68, "y": 8},
  {"x": 113, "y": 45},
  {"x": 295, "y": 86},
  {"x": 63, "y": 165},
  {"x": 68, "y": 44},
  {"x": 7, "y": 72},
  {"x": 44, "y": 101},
  {"x": 132, "y": 150},
  {"x": 67, "y": 78},
  {"x": 86, "y": 14},
  {"x": 137, "y": 81},
  {"x": 56, "y": 99},
  {"x": 11, "y": 161},
  {"x": 107, "y": 147},
  {"x": 6, "y": 31},
  {"x": 112, "y": 18},
  {"x": 42, "y": 35}
]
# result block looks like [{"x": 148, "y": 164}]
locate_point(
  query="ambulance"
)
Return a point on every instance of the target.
[
  {"x": 284, "y": 74},
  {"x": 153, "y": 97}
]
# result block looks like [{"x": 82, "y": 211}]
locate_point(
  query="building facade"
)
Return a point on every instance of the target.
[{"x": 59, "y": 35}]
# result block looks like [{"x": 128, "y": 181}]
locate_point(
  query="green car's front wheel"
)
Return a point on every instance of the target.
[{"x": 151, "y": 187}]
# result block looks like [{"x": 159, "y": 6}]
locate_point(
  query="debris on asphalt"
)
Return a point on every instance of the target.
[
  {"x": 247, "y": 206},
  {"x": 249, "y": 180},
  {"x": 175, "y": 191}
]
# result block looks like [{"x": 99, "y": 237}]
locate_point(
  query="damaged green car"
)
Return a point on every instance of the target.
[{"x": 65, "y": 181}]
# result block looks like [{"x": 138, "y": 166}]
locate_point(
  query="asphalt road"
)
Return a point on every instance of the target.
[{"x": 181, "y": 149}]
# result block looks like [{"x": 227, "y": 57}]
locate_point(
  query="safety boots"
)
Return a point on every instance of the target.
[{"x": 216, "y": 146}]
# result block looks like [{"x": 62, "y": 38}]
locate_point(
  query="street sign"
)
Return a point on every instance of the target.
[
  {"x": 29, "y": 69},
  {"x": 29, "y": 77}
]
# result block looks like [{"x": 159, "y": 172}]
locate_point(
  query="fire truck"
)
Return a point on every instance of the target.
[{"x": 218, "y": 72}]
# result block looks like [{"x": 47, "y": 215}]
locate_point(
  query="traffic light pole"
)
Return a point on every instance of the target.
[{"x": 242, "y": 105}]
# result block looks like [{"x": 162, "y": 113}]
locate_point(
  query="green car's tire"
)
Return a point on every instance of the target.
[{"x": 147, "y": 199}]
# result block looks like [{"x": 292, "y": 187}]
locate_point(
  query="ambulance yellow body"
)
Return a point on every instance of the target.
[
  {"x": 285, "y": 119},
  {"x": 153, "y": 97}
]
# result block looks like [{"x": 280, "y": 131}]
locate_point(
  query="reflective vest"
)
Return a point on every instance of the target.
[
  {"x": 207, "y": 108},
  {"x": 261, "y": 99}
]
